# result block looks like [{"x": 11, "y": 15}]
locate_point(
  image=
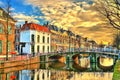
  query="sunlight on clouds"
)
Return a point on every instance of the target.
[
  {"x": 72, "y": 14},
  {"x": 66, "y": 13}
]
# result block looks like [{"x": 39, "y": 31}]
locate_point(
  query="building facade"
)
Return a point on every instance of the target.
[
  {"x": 34, "y": 39},
  {"x": 4, "y": 29},
  {"x": 62, "y": 40},
  {"x": 17, "y": 38}
]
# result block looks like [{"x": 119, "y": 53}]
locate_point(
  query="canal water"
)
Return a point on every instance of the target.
[{"x": 62, "y": 71}]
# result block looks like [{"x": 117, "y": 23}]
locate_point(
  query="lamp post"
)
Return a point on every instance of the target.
[
  {"x": 78, "y": 40},
  {"x": 74, "y": 43},
  {"x": 67, "y": 56},
  {"x": 69, "y": 34}
]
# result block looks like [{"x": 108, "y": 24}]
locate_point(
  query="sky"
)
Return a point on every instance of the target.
[
  {"x": 67, "y": 14},
  {"x": 62, "y": 13}
]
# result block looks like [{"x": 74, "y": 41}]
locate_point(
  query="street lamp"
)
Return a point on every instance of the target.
[
  {"x": 78, "y": 37},
  {"x": 69, "y": 34},
  {"x": 68, "y": 57}
]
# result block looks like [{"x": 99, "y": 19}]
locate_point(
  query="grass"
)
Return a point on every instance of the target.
[{"x": 116, "y": 74}]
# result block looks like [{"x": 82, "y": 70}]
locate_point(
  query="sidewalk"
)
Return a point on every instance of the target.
[{"x": 14, "y": 57}]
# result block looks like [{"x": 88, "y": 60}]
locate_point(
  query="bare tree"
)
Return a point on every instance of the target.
[
  {"x": 116, "y": 41},
  {"x": 111, "y": 10},
  {"x": 7, "y": 15}
]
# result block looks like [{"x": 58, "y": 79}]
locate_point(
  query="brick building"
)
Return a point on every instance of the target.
[{"x": 3, "y": 30}]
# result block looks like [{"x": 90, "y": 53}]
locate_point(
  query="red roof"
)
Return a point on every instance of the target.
[{"x": 33, "y": 26}]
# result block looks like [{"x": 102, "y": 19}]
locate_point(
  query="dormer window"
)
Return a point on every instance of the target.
[{"x": 27, "y": 28}]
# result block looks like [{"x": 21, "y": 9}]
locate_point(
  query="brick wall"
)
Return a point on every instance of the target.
[
  {"x": 11, "y": 36},
  {"x": 19, "y": 65}
]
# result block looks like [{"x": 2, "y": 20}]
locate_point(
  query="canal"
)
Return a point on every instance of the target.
[{"x": 83, "y": 69}]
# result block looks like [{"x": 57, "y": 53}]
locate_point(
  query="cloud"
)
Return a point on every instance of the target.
[
  {"x": 12, "y": 9},
  {"x": 74, "y": 14},
  {"x": 68, "y": 13},
  {"x": 21, "y": 18},
  {"x": 98, "y": 33},
  {"x": 1, "y": 3}
]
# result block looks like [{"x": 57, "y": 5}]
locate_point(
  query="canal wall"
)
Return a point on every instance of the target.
[{"x": 15, "y": 65}]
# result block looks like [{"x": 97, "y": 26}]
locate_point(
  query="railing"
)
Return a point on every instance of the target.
[
  {"x": 108, "y": 50},
  {"x": 97, "y": 50}
]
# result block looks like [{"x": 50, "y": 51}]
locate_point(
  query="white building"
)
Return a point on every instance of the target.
[{"x": 34, "y": 38}]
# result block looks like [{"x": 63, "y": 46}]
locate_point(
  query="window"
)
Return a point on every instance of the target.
[
  {"x": 32, "y": 38},
  {"x": 9, "y": 29},
  {"x": 38, "y": 38},
  {"x": 48, "y": 40},
  {"x": 0, "y": 46},
  {"x": 1, "y": 28},
  {"x": 38, "y": 49},
  {"x": 48, "y": 48},
  {"x": 43, "y": 49},
  {"x": 9, "y": 46},
  {"x": 43, "y": 39},
  {"x": 32, "y": 48},
  {"x": 27, "y": 28}
]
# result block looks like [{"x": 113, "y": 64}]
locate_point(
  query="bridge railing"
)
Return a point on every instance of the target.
[{"x": 100, "y": 50}]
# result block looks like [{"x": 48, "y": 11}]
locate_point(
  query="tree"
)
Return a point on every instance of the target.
[
  {"x": 116, "y": 41},
  {"x": 8, "y": 6},
  {"x": 111, "y": 10}
]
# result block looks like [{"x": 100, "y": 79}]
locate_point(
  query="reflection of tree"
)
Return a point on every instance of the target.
[{"x": 111, "y": 10}]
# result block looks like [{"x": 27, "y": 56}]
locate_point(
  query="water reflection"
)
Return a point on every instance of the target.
[
  {"x": 56, "y": 65},
  {"x": 45, "y": 74},
  {"x": 82, "y": 70}
]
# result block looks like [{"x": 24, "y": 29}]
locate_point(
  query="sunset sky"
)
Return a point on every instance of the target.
[{"x": 78, "y": 15}]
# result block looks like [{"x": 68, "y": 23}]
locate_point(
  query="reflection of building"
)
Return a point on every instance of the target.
[
  {"x": 34, "y": 74},
  {"x": 59, "y": 75},
  {"x": 3, "y": 31},
  {"x": 34, "y": 38},
  {"x": 42, "y": 75},
  {"x": 56, "y": 75}
]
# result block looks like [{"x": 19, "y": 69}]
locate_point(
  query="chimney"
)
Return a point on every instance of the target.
[{"x": 26, "y": 22}]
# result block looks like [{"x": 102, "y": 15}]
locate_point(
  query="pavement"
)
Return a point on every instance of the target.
[{"x": 15, "y": 58}]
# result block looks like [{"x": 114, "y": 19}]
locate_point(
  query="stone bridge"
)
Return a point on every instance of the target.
[{"x": 82, "y": 59}]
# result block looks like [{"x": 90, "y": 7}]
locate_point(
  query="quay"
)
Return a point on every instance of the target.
[{"x": 18, "y": 63}]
